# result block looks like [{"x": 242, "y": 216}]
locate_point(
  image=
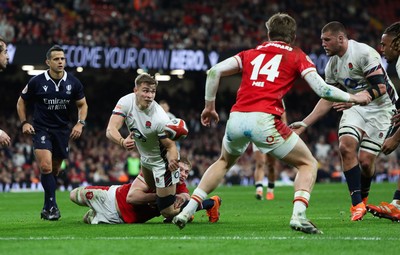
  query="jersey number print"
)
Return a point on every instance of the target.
[{"x": 270, "y": 69}]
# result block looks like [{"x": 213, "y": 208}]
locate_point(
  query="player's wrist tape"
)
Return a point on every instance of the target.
[
  {"x": 24, "y": 122},
  {"x": 1, "y": 132},
  {"x": 121, "y": 142}
]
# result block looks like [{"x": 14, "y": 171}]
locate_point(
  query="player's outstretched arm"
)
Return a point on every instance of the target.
[{"x": 332, "y": 93}]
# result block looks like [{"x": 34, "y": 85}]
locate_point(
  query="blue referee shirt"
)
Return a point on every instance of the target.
[{"x": 52, "y": 101}]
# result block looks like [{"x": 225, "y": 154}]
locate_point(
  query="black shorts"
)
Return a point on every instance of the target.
[{"x": 54, "y": 140}]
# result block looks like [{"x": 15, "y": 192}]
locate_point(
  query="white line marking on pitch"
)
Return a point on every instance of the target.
[{"x": 244, "y": 238}]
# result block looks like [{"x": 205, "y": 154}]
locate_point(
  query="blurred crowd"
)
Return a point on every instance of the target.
[{"x": 208, "y": 25}]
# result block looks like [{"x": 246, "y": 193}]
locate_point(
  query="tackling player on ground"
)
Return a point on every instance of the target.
[{"x": 108, "y": 203}]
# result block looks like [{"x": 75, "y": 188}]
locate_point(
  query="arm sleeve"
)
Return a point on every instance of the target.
[
  {"x": 227, "y": 67},
  {"x": 324, "y": 90}
]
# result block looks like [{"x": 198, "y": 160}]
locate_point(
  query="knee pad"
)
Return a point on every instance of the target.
[{"x": 165, "y": 202}]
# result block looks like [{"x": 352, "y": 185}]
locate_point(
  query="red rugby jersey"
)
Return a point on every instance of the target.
[
  {"x": 139, "y": 213},
  {"x": 268, "y": 73}
]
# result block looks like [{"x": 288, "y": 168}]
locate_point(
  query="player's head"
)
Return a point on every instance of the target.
[
  {"x": 185, "y": 166},
  {"x": 145, "y": 90},
  {"x": 281, "y": 27},
  {"x": 334, "y": 38},
  {"x": 3, "y": 54},
  {"x": 390, "y": 42},
  {"x": 55, "y": 59},
  {"x": 55, "y": 48}
]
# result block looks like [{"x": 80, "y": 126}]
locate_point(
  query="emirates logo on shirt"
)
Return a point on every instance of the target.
[{"x": 148, "y": 124}]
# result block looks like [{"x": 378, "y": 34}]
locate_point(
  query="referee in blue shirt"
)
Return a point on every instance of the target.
[{"x": 51, "y": 95}]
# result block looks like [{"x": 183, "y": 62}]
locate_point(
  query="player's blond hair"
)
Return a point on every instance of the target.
[
  {"x": 281, "y": 27},
  {"x": 186, "y": 161},
  {"x": 145, "y": 78}
]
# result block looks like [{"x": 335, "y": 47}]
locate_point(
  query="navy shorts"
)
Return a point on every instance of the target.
[{"x": 54, "y": 140}]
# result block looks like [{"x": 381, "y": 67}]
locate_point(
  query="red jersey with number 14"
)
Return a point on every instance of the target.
[{"x": 268, "y": 73}]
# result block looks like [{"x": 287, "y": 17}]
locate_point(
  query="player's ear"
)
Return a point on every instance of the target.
[{"x": 47, "y": 62}]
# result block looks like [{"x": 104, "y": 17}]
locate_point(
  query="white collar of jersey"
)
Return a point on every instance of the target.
[
  {"x": 57, "y": 86},
  {"x": 46, "y": 74}
]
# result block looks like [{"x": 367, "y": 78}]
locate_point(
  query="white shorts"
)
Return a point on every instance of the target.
[
  {"x": 266, "y": 131},
  {"x": 162, "y": 176},
  {"x": 375, "y": 122},
  {"x": 102, "y": 200}
]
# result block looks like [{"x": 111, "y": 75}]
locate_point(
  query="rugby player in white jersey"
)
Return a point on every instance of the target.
[
  {"x": 362, "y": 129},
  {"x": 390, "y": 46},
  {"x": 268, "y": 73},
  {"x": 145, "y": 119}
]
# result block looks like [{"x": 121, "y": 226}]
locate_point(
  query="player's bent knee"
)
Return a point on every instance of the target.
[{"x": 165, "y": 205}]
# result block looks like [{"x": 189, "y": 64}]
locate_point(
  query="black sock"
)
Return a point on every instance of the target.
[
  {"x": 49, "y": 185},
  {"x": 396, "y": 195},
  {"x": 258, "y": 184},
  {"x": 365, "y": 186},
  {"x": 353, "y": 179},
  {"x": 271, "y": 185}
]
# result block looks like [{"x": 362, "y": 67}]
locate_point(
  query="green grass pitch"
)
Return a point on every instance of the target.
[{"x": 247, "y": 226}]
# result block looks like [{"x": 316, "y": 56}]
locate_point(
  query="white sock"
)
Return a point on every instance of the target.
[
  {"x": 396, "y": 203},
  {"x": 197, "y": 197},
  {"x": 301, "y": 199}
]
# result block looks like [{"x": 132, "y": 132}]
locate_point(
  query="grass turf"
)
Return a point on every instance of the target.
[{"x": 247, "y": 226}]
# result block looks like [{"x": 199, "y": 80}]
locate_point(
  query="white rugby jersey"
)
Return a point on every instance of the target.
[
  {"x": 146, "y": 125},
  {"x": 350, "y": 71},
  {"x": 398, "y": 66}
]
